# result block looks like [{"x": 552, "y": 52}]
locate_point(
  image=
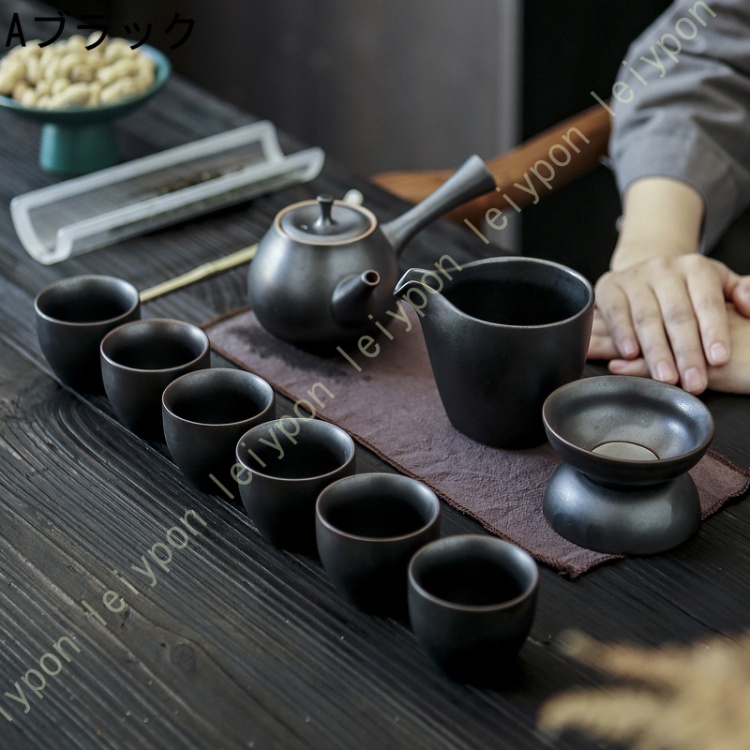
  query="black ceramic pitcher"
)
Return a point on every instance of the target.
[{"x": 502, "y": 334}]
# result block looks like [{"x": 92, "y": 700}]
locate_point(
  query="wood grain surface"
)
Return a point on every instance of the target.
[{"x": 231, "y": 643}]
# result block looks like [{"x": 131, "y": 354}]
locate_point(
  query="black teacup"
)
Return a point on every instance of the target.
[
  {"x": 368, "y": 527},
  {"x": 282, "y": 468},
  {"x": 140, "y": 359},
  {"x": 471, "y": 603},
  {"x": 72, "y": 318},
  {"x": 205, "y": 413}
]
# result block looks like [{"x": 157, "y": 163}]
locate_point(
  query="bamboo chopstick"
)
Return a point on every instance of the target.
[
  {"x": 354, "y": 197},
  {"x": 199, "y": 273}
]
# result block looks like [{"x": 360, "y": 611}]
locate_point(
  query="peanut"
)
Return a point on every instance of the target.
[
  {"x": 82, "y": 74},
  {"x": 11, "y": 73},
  {"x": 20, "y": 89},
  {"x": 94, "y": 36},
  {"x": 58, "y": 85},
  {"x": 95, "y": 95},
  {"x": 34, "y": 70},
  {"x": 68, "y": 62},
  {"x": 118, "y": 90},
  {"x": 66, "y": 74},
  {"x": 42, "y": 88},
  {"x": 118, "y": 49},
  {"x": 28, "y": 98},
  {"x": 76, "y": 93},
  {"x": 122, "y": 68}
]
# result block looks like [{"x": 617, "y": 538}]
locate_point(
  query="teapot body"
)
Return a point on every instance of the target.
[
  {"x": 325, "y": 272},
  {"x": 292, "y": 285}
]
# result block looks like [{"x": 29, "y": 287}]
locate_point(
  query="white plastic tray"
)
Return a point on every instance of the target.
[{"x": 99, "y": 209}]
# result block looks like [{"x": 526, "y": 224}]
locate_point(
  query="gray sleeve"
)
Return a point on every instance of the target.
[{"x": 682, "y": 107}]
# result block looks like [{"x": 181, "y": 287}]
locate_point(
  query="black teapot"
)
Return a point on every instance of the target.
[{"x": 326, "y": 270}]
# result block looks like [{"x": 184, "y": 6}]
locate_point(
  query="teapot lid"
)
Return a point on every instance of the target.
[{"x": 325, "y": 221}]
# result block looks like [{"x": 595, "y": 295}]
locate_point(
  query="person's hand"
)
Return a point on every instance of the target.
[
  {"x": 602, "y": 346},
  {"x": 662, "y": 301},
  {"x": 733, "y": 377},
  {"x": 671, "y": 314}
]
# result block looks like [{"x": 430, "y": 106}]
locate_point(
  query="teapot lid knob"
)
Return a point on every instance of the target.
[{"x": 324, "y": 221}]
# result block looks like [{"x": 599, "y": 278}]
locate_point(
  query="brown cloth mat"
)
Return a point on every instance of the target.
[{"x": 386, "y": 398}]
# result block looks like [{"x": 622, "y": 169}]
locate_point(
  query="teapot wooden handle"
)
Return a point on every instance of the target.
[{"x": 511, "y": 168}]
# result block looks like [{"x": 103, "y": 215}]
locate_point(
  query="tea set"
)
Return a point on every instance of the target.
[{"x": 507, "y": 340}]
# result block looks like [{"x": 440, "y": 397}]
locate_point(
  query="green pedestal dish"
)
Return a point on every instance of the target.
[{"x": 80, "y": 140}]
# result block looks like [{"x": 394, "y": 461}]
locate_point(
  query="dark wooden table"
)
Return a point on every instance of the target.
[{"x": 235, "y": 644}]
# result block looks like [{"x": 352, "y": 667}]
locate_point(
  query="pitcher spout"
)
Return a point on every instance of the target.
[
  {"x": 351, "y": 301},
  {"x": 412, "y": 279}
]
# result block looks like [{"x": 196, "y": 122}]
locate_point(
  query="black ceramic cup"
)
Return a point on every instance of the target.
[
  {"x": 472, "y": 601},
  {"x": 368, "y": 527},
  {"x": 140, "y": 359},
  {"x": 72, "y": 318},
  {"x": 282, "y": 467},
  {"x": 205, "y": 413}
]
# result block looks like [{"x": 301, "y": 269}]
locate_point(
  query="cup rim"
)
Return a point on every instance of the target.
[
  {"x": 88, "y": 323},
  {"x": 146, "y": 322},
  {"x": 331, "y": 489},
  {"x": 530, "y": 260},
  {"x": 202, "y": 373},
  {"x": 488, "y": 540},
  {"x": 328, "y": 426}
]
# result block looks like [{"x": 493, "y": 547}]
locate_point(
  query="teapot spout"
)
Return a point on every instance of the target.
[{"x": 351, "y": 301}]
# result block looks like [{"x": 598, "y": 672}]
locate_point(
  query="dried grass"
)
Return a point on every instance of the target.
[{"x": 694, "y": 697}]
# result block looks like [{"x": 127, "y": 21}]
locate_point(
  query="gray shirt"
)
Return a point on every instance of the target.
[{"x": 682, "y": 107}]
